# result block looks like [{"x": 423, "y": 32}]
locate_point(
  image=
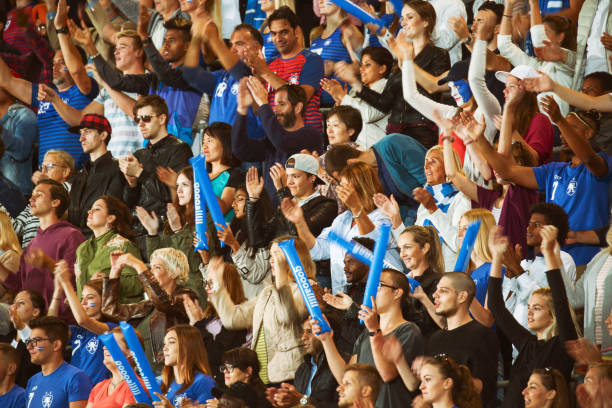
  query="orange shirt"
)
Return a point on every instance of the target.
[{"x": 122, "y": 395}]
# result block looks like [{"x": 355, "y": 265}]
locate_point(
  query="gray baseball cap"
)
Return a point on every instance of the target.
[{"x": 305, "y": 163}]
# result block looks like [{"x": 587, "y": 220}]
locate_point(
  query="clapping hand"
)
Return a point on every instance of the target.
[
  {"x": 149, "y": 221},
  {"x": 341, "y": 301},
  {"x": 390, "y": 207}
]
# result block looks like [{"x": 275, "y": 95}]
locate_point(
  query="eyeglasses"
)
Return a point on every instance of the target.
[
  {"x": 49, "y": 166},
  {"x": 144, "y": 118},
  {"x": 34, "y": 341},
  {"x": 383, "y": 284},
  {"x": 226, "y": 368}
]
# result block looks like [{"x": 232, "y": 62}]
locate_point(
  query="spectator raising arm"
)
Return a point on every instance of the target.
[{"x": 20, "y": 88}]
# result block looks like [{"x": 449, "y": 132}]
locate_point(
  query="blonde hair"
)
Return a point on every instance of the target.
[
  {"x": 455, "y": 158},
  {"x": 176, "y": 263},
  {"x": 8, "y": 238},
  {"x": 304, "y": 255},
  {"x": 428, "y": 235},
  {"x": 65, "y": 160},
  {"x": 487, "y": 222},
  {"x": 546, "y": 293}
]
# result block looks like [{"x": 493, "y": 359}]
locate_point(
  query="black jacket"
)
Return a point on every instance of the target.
[
  {"x": 350, "y": 328},
  {"x": 92, "y": 181},
  {"x": 323, "y": 387},
  {"x": 149, "y": 192},
  {"x": 319, "y": 213}
]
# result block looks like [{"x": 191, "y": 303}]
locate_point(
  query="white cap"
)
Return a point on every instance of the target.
[
  {"x": 520, "y": 72},
  {"x": 305, "y": 163}
]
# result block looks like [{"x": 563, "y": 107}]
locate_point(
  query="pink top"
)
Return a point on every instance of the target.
[{"x": 122, "y": 395}]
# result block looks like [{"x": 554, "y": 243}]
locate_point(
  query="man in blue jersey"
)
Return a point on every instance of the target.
[
  {"x": 11, "y": 395},
  {"x": 59, "y": 384},
  {"x": 73, "y": 88}
]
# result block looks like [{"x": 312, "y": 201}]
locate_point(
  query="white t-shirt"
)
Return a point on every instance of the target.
[{"x": 596, "y": 59}]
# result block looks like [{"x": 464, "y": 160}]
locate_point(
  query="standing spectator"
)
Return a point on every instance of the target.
[
  {"x": 164, "y": 150},
  {"x": 55, "y": 239},
  {"x": 99, "y": 176},
  {"x": 598, "y": 84},
  {"x": 59, "y": 384},
  {"x": 12, "y": 394},
  {"x": 19, "y": 130},
  {"x": 443, "y": 36},
  {"x": 268, "y": 7}
]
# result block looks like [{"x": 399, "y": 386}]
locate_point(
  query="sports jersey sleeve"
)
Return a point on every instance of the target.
[
  {"x": 79, "y": 387},
  {"x": 542, "y": 174},
  {"x": 312, "y": 71},
  {"x": 202, "y": 389},
  {"x": 608, "y": 161}
]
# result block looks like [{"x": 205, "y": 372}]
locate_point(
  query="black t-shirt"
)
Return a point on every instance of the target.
[
  {"x": 394, "y": 393},
  {"x": 474, "y": 346}
]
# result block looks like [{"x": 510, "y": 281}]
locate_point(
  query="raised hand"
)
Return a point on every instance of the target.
[
  {"x": 81, "y": 35},
  {"x": 369, "y": 316},
  {"x": 292, "y": 211},
  {"x": 254, "y": 184},
  {"x": 549, "y": 239},
  {"x": 226, "y": 235},
  {"x": 116, "y": 266},
  {"x": 470, "y": 128},
  {"x": 174, "y": 219},
  {"x": 216, "y": 266},
  {"x": 38, "y": 259},
  {"x": 606, "y": 40},
  {"x": 130, "y": 166},
  {"x": 61, "y": 15},
  {"x": 347, "y": 73},
  {"x": 347, "y": 194},
  {"x": 543, "y": 83},
  {"x": 341, "y": 301},
  {"x": 551, "y": 108},
  {"x": 334, "y": 88},
  {"x": 259, "y": 93},
  {"x": 316, "y": 330},
  {"x": 512, "y": 260},
  {"x": 46, "y": 93},
  {"x": 404, "y": 46},
  {"x": 193, "y": 310},
  {"x": 390, "y": 207},
  {"x": 149, "y": 221},
  {"x": 550, "y": 52},
  {"x": 582, "y": 351},
  {"x": 167, "y": 176},
  {"x": 61, "y": 271},
  {"x": 459, "y": 26},
  {"x": 278, "y": 176},
  {"x": 498, "y": 243},
  {"x": 144, "y": 16}
]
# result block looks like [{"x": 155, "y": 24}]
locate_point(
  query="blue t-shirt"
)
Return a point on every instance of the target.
[
  {"x": 15, "y": 398},
  {"x": 57, "y": 390},
  {"x": 198, "y": 391},
  {"x": 330, "y": 49},
  {"x": 582, "y": 195},
  {"x": 53, "y": 131},
  {"x": 480, "y": 276},
  {"x": 88, "y": 353}
]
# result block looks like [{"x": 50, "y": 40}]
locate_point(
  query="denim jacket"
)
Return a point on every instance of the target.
[{"x": 19, "y": 133}]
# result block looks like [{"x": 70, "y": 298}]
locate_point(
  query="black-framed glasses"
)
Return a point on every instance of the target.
[
  {"x": 144, "y": 118},
  {"x": 385, "y": 285},
  {"x": 34, "y": 341},
  {"x": 226, "y": 368}
]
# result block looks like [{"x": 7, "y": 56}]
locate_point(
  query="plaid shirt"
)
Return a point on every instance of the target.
[{"x": 43, "y": 52}]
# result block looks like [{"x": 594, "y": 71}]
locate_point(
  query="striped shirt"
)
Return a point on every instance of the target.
[
  {"x": 598, "y": 311},
  {"x": 53, "y": 131},
  {"x": 14, "y": 34},
  {"x": 330, "y": 49},
  {"x": 125, "y": 138},
  {"x": 306, "y": 68}
]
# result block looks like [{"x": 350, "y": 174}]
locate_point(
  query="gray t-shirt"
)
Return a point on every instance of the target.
[{"x": 393, "y": 394}]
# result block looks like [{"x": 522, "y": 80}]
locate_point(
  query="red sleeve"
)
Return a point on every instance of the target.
[
  {"x": 540, "y": 137},
  {"x": 457, "y": 145}
]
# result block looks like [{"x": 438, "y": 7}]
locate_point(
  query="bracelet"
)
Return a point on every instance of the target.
[
  {"x": 253, "y": 198},
  {"x": 374, "y": 333},
  {"x": 468, "y": 142},
  {"x": 449, "y": 138},
  {"x": 358, "y": 214},
  {"x": 506, "y": 15}
]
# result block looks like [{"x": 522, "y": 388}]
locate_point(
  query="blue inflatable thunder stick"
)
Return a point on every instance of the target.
[
  {"x": 380, "y": 247},
  {"x": 463, "y": 258},
  {"x": 199, "y": 165},
  {"x": 146, "y": 372}
]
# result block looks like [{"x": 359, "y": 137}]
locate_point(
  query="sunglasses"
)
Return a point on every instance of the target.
[{"x": 144, "y": 118}]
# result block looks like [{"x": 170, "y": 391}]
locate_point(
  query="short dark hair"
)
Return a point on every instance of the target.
[
  {"x": 337, "y": 157},
  {"x": 9, "y": 354},
  {"x": 38, "y": 301},
  {"x": 255, "y": 33},
  {"x": 284, "y": 13},
  {"x": 295, "y": 94},
  {"x": 350, "y": 117},
  {"x": 181, "y": 24},
  {"x": 58, "y": 192},
  {"x": 381, "y": 56},
  {"x": 462, "y": 282},
  {"x": 223, "y": 132},
  {"x": 156, "y": 102},
  {"x": 604, "y": 79},
  {"x": 242, "y": 358},
  {"x": 367, "y": 375},
  {"x": 365, "y": 242},
  {"x": 556, "y": 216},
  {"x": 496, "y": 8},
  {"x": 54, "y": 327}
]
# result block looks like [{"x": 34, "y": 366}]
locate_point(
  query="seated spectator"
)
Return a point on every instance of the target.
[
  {"x": 360, "y": 385},
  {"x": 546, "y": 388},
  {"x": 239, "y": 395},
  {"x": 87, "y": 353},
  {"x": 100, "y": 174},
  {"x": 453, "y": 298},
  {"x": 241, "y": 365},
  {"x": 284, "y": 126},
  {"x": 186, "y": 374},
  {"x": 110, "y": 221},
  {"x": 114, "y": 391},
  {"x": 13, "y": 395},
  {"x": 375, "y": 68},
  {"x": 273, "y": 315},
  {"x": 54, "y": 240},
  {"x": 399, "y": 162},
  {"x": 19, "y": 133},
  {"x": 437, "y": 389},
  {"x": 59, "y": 384},
  {"x": 164, "y": 150},
  {"x": 391, "y": 304},
  {"x": 314, "y": 382},
  {"x": 548, "y": 316},
  {"x": 57, "y": 165},
  {"x": 358, "y": 183},
  {"x": 178, "y": 229},
  {"x": 163, "y": 307},
  {"x": 343, "y": 126},
  {"x": 10, "y": 256}
]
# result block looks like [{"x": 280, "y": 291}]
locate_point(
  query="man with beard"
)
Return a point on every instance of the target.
[
  {"x": 283, "y": 125},
  {"x": 53, "y": 130},
  {"x": 465, "y": 340}
]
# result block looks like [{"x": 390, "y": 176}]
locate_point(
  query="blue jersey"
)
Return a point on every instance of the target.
[
  {"x": 269, "y": 50},
  {"x": 480, "y": 276},
  {"x": 88, "y": 353},
  {"x": 198, "y": 391},
  {"x": 57, "y": 390},
  {"x": 53, "y": 131},
  {"x": 330, "y": 49},
  {"x": 582, "y": 195},
  {"x": 15, "y": 398}
]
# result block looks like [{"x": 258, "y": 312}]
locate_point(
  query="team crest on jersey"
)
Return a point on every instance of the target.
[
  {"x": 92, "y": 345},
  {"x": 327, "y": 42},
  {"x": 235, "y": 89},
  {"x": 221, "y": 89},
  {"x": 571, "y": 188},
  {"x": 43, "y": 106},
  {"x": 178, "y": 400},
  {"x": 294, "y": 79},
  {"x": 47, "y": 399}
]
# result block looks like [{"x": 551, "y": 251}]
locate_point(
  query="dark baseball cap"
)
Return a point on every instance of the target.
[
  {"x": 238, "y": 390},
  {"x": 458, "y": 71},
  {"x": 92, "y": 121}
]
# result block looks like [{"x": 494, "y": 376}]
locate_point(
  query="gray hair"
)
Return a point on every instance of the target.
[{"x": 176, "y": 263}]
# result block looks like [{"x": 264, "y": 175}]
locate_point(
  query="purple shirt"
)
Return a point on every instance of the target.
[{"x": 58, "y": 241}]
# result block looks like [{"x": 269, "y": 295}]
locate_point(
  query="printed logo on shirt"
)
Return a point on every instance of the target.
[
  {"x": 235, "y": 89},
  {"x": 294, "y": 79},
  {"x": 571, "y": 188},
  {"x": 327, "y": 42},
  {"x": 43, "y": 107},
  {"x": 178, "y": 400},
  {"x": 221, "y": 89},
  {"x": 318, "y": 51},
  {"x": 47, "y": 399},
  {"x": 92, "y": 345}
]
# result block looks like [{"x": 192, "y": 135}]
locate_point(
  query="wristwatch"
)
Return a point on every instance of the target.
[
  {"x": 304, "y": 400},
  {"x": 62, "y": 30},
  {"x": 374, "y": 333},
  {"x": 468, "y": 40}
]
